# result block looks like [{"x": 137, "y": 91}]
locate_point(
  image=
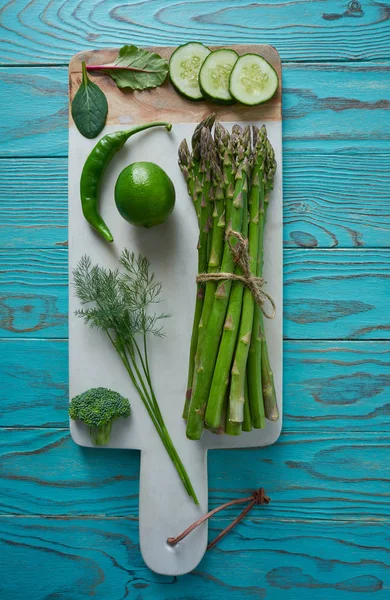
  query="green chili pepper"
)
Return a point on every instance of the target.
[{"x": 94, "y": 169}]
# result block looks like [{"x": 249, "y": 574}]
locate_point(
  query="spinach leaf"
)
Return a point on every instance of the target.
[
  {"x": 89, "y": 107},
  {"x": 136, "y": 68}
]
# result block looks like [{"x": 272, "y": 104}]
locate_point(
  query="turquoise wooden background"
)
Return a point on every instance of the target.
[{"x": 68, "y": 522}]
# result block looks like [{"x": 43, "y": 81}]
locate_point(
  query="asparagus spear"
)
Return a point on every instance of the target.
[
  {"x": 223, "y": 364},
  {"x": 206, "y": 357},
  {"x": 196, "y": 171},
  {"x": 189, "y": 163},
  {"x": 222, "y": 156},
  {"x": 269, "y": 394},
  {"x": 204, "y": 205},
  {"x": 221, "y": 211},
  {"x": 247, "y": 422},
  {"x": 232, "y": 428},
  {"x": 229, "y": 336},
  {"x": 260, "y": 378},
  {"x": 207, "y": 123},
  {"x": 237, "y": 388},
  {"x": 215, "y": 240}
]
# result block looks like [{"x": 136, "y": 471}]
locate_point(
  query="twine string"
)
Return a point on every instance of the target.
[{"x": 252, "y": 282}]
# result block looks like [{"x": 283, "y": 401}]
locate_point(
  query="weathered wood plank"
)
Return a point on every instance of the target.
[
  {"x": 34, "y": 293},
  {"x": 336, "y": 386},
  {"x": 328, "y": 294},
  {"x": 289, "y": 560},
  {"x": 44, "y": 472},
  {"x": 328, "y": 386},
  {"x": 334, "y": 201},
  {"x": 336, "y": 294},
  {"x": 351, "y": 99},
  {"x": 33, "y": 203},
  {"x": 307, "y": 475},
  {"x": 34, "y": 383},
  {"x": 38, "y": 126},
  {"x": 324, "y": 203},
  {"x": 51, "y": 32}
]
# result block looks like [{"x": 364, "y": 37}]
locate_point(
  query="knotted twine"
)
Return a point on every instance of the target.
[
  {"x": 252, "y": 282},
  {"x": 257, "y": 497},
  {"x": 255, "y": 285}
]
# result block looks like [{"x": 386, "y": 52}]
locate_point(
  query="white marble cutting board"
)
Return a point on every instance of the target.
[{"x": 164, "y": 507}]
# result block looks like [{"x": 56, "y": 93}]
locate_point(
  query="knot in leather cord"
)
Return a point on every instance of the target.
[{"x": 257, "y": 497}]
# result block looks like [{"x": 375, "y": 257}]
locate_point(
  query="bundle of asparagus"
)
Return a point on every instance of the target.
[{"x": 229, "y": 177}]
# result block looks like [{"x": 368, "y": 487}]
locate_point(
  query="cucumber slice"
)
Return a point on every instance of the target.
[
  {"x": 253, "y": 80},
  {"x": 184, "y": 67},
  {"x": 215, "y": 74}
]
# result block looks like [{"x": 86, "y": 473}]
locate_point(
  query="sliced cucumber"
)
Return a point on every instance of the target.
[
  {"x": 253, "y": 80},
  {"x": 184, "y": 67},
  {"x": 215, "y": 74}
]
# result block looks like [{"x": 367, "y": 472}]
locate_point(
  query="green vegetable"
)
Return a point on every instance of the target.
[
  {"x": 214, "y": 75},
  {"x": 136, "y": 68},
  {"x": 237, "y": 388},
  {"x": 184, "y": 67},
  {"x": 228, "y": 341},
  {"x": 98, "y": 408},
  {"x": 253, "y": 80},
  {"x": 215, "y": 240},
  {"x": 89, "y": 107},
  {"x": 206, "y": 354},
  {"x": 247, "y": 423},
  {"x": 259, "y": 359},
  {"x": 117, "y": 302},
  {"x": 230, "y": 382},
  {"x": 193, "y": 170},
  {"x": 93, "y": 171},
  {"x": 221, "y": 75},
  {"x": 234, "y": 320}
]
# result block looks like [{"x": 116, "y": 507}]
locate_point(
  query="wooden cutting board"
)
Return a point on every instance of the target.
[
  {"x": 165, "y": 509},
  {"x": 164, "y": 102}
]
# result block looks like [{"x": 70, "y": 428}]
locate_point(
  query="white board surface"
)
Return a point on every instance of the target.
[{"x": 165, "y": 509}]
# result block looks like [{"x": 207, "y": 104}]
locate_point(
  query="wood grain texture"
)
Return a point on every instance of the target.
[
  {"x": 336, "y": 201},
  {"x": 44, "y": 472},
  {"x": 33, "y": 203},
  {"x": 332, "y": 461},
  {"x": 34, "y": 383},
  {"x": 336, "y": 294},
  {"x": 328, "y": 294},
  {"x": 307, "y": 475},
  {"x": 34, "y": 293},
  {"x": 326, "y": 108},
  {"x": 324, "y": 203},
  {"x": 51, "y": 32},
  {"x": 336, "y": 386},
  {"x": 164, "y": 103},
  {"x": 329, "y": 386},
  {"x": 100, "y": 558},
  {"x": 39, "y": 113}
]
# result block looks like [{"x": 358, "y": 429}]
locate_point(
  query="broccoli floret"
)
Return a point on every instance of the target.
[{"x": 98, "y": 408}]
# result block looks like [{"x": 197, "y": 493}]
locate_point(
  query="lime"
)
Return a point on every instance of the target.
[{"x": 144, "y": 194}]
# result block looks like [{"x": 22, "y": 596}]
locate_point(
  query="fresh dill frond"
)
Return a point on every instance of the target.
[
  {"x": 117, "y": 302},
  {"x": 140, "y": 285}
]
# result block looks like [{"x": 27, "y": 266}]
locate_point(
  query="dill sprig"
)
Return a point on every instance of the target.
[{"x": 118, "y": 301}]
